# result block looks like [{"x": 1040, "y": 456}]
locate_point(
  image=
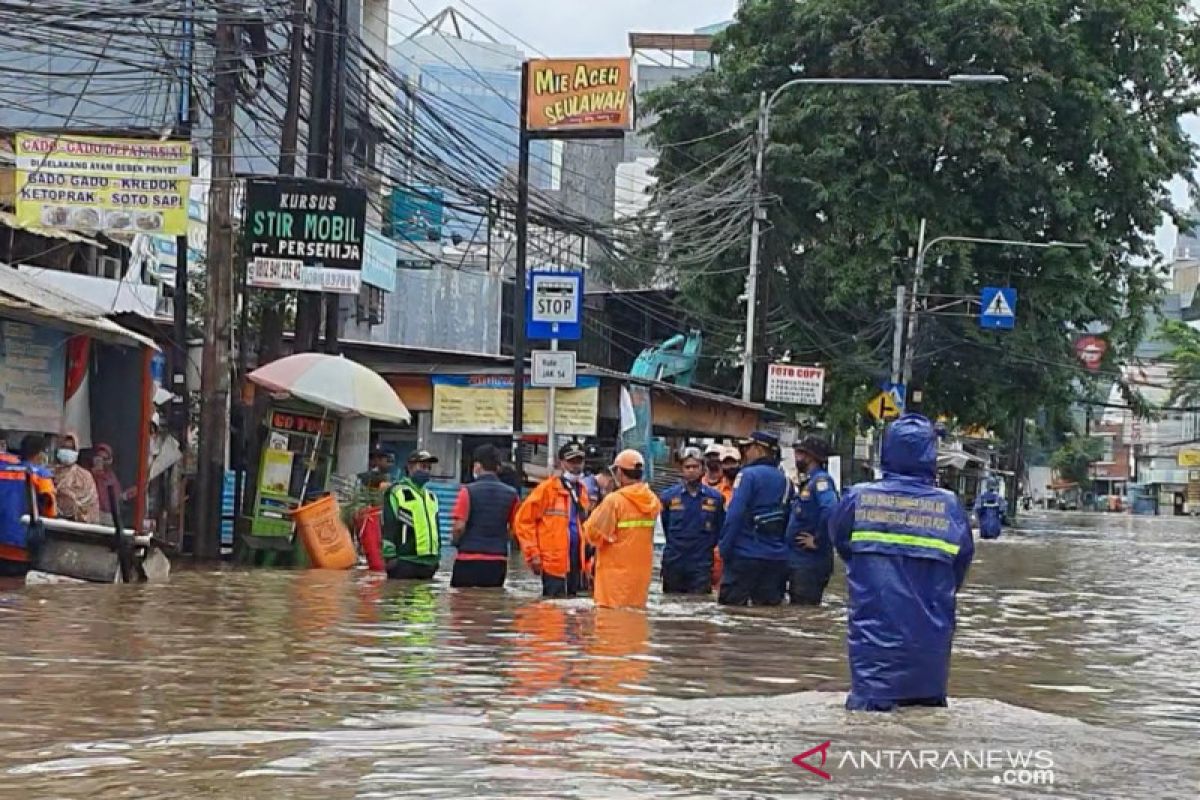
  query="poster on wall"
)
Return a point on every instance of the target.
[
  {"x": 304, "y": 234},
  {"x": 483, "y": 404},
  {"x": 33, "y": 377},
  {"x": 96, "y": 183},
  {"x": 795, "y": 384}
]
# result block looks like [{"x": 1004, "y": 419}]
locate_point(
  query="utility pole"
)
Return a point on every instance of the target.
[
  {"x": 182, "y": 249},
  {"x": 218, "y": 306},
  {"x": 755, "y": 235},
  {"x": 309, "y": 306},
  {"x": 337, "y": 167},
  {"x": 518, "y": 295},
  {"x": 898, "y": 334},
  {"x": 910, "y": 344}
]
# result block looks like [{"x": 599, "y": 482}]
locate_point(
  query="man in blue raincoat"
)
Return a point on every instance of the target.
[
  {"x": 990, "y": 511},
  {"x": 811, "y": 558},
  {"x": 907, "y": 545},
  {"x": 753, "y": 545}
]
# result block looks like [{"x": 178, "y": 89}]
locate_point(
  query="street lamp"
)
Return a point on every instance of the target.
[
  {"x": 765, "y": 104},
  {"x": 923, "y": 248}
]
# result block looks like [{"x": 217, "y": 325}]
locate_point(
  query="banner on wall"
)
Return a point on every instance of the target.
[
  {"x": 483, "y": 405},
  {"x": 33, "y": 371},
  {"x": 94, "y": 183}
]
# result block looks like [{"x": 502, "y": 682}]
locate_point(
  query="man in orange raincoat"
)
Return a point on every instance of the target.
[
  {"x": 549, "y": 526},
  {"x": 622, "y": 531}
]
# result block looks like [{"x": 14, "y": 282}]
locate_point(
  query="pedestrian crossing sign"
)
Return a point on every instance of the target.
[
  {"x": 883, "y": 407},
  {"x": 999, "y": 308}
]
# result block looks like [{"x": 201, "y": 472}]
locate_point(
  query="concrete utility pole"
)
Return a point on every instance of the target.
[
  {"x": 218, "y": 302},
  {"x": 765, "y": 104}
]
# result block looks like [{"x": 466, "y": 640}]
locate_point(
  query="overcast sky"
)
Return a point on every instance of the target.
[{"x": 574, "y": 27}]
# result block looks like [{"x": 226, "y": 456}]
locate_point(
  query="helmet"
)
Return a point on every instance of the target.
[{"x": 815, "y": 446}]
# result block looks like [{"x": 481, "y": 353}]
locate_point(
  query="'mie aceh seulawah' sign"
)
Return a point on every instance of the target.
[{"x": 304, "y": 234}]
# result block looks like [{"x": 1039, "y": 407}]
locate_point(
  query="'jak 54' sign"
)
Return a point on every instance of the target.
[{"x": 304, "y": 234}]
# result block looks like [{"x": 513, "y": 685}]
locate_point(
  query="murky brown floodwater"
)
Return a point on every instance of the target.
[{"x": 1079, "y": 636}]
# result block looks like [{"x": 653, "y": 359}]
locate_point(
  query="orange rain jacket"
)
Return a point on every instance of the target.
[
  {"x": 543, "y": 526},
  {"x": 622, "y": 531}
]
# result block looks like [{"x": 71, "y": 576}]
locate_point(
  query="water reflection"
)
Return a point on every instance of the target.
[{"x": 1077, "y": 634}]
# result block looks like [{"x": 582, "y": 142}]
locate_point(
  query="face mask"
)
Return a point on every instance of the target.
[
  {"x": 67, "y": 456},
  {"x": 730, "y": 472},
  {"x": 419, "y": 476},
  {"x": 571, "y": 477}
]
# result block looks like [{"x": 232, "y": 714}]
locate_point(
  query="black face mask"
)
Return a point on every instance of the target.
[{"x": 730, "y": 472}]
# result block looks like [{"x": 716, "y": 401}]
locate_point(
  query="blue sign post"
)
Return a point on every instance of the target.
[
  {"x": 899, "y": 393},
  {"x": 999, "y": 308},
  {"x": 554, "y": 305}
]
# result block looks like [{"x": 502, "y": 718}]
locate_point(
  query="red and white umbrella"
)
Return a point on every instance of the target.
[{"x": 336, "y": 383}]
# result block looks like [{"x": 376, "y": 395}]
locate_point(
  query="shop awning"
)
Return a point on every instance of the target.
[{"x": 31, "y": 297}]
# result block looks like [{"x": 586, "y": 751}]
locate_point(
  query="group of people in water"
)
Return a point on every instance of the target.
[{"x": 735, "y": 522}]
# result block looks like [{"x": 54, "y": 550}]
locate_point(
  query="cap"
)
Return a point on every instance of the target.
[
  {"x": 714, "y": 449},
  {"x": 765, "y": 438},
  {"x": 629, "y": 459},
  {"x": 422, "y": 457},
  {"x": 815, "y": 446},
  {"x": 571, "y": 451},
  {"x": 731, "y": 454}
]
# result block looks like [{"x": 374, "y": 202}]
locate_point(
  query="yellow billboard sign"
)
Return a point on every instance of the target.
[
  {"x": 99, "y": 183},
  {"x": 483, "y": 405},
  {"x": 568, "y": 94},
  {"x": 1189, "y": 458}
]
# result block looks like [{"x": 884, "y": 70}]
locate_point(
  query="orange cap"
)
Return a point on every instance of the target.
[{"x": 629, "y": 459}]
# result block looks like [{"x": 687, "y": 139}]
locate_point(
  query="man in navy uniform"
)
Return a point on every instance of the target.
[
  {"x": 811, "y": 557},
  {"x": 753, "y": 544},
  {"x": 692, "y": 513}
]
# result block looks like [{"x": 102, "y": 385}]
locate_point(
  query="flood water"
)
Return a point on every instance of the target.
[{"x": 1079, "y": 638}]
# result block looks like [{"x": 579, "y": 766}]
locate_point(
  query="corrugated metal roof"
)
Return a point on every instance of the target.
[
  {"x": 31, "y": 298},
  {"x": 683, "y": 42}
]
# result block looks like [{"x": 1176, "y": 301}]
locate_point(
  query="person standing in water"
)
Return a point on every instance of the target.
[
  {"x": 907, "y": 546},
  {"x": 483, "y": 518},
  {"x": 811, "y": 558},
  {"x": 622, "y": 530},
  {"x": 990, "y": 511},
  {"x": 692, "y": 514},
  {"x": 412, "y": 546},
  {"x": 549, "y": 524}
]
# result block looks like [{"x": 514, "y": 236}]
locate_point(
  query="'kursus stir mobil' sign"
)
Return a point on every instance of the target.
[{"x": 304, "y": 234}]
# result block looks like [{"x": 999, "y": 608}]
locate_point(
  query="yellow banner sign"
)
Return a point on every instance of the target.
[
  {"x": 488, "y": 410},
  {"x": 1189, "y": 458},
  {"x": 565, "y": 94},
  {"x": 93, "y": 183}
]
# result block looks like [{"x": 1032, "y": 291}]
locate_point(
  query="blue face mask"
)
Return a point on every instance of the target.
[
  {"x": 67, "y": 456},
  {"x": 419, "y": 476}
]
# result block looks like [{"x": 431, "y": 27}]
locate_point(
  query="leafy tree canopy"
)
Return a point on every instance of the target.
[
  {"x": 1073, "y": 461},
  {"x": 1078, "y": 146}
]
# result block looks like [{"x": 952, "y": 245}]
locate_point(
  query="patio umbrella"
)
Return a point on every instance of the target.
[{"x": 335, "y": 383}]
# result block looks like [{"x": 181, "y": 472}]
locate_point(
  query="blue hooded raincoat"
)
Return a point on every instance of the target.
[
  {"x": 989, "y": 510},
  {"x": 907, "y": 545}
]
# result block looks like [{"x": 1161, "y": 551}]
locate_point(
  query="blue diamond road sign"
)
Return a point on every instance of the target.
[{"x": 999, "y": 308}]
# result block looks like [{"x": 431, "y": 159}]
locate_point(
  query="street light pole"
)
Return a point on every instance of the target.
[
  {"x": 765, "y": 104},
  {"x": 910, "y": 345}
]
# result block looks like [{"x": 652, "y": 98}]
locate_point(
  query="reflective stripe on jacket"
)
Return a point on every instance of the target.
[
  {"x": 543, "y": 526},
  {"x": 622, "y": 531}
]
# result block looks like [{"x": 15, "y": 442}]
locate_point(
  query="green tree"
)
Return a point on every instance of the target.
[
  {"x": 1073, "y": 461},
  {"x": 1184, "y": 356},
  {"x": 1079, "y": 146}
]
